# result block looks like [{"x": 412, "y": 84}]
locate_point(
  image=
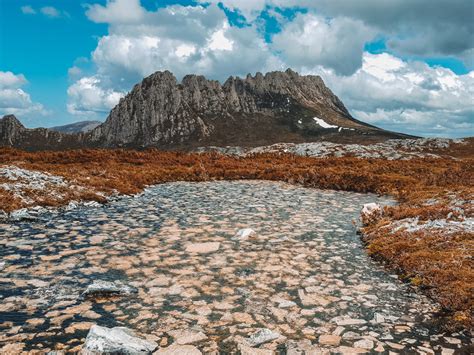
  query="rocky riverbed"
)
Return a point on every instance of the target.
[{"x": 255, "y": 267}]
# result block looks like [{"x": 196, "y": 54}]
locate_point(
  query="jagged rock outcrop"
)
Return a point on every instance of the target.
[
  {"x": 270, "y": 108},
  {"x": 252, "y": 111}
]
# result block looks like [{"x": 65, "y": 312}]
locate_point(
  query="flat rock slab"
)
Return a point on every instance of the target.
[
  {"x": 179, "y": 350},
  {"x": 329, "y": 339},
  {"x": 118, "y": 340},
  {"x": 203, "y": 248},
  {"x": 247, "y": 350},
  {"x": 187, "y": 336}
]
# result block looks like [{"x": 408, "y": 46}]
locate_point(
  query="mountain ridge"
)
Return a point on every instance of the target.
[{"x": 163, "y": 112}]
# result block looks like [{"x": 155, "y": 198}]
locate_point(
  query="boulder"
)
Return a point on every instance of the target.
[
  {"x": 370, "y": 212},
  {"x": 102, "y": 288},
  {"x": 118, "y": 340}
]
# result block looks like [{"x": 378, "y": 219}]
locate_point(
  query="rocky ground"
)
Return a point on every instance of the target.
[
  {"x": 392, "y": 149},
  {"x": 255, "y": 267}
]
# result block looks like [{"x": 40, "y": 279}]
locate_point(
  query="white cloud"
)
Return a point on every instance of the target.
[
  {"x": 184, "y": 40},
  {"x": 116, "y": 11},
  {"x": 50, "y": 11},
  {"x": 87, "y": 97},
  {"x": 27, "y": 10},
  {"x": 311, "y": 40},
  {"x": 14, "y": 100},
  {"x": 407, "y": 96}
]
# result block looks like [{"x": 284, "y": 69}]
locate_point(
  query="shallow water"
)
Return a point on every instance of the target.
[{"x": 305, "y": 250}]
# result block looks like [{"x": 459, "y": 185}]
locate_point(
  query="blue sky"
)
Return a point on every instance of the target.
[{"x": 66, "y": 61}]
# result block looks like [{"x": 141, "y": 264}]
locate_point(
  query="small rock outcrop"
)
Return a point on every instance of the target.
[{"x": 118, "y": 340}]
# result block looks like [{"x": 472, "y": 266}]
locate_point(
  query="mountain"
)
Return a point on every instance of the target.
[
  {"x": 252, "y": 111},
  {"x": 77, "y": 127},
  {"x": 14, "y": 134}
]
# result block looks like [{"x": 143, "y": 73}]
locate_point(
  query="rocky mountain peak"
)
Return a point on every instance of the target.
[{"x": 257, "y": 110}]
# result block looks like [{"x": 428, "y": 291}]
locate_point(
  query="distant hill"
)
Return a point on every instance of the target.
[
  {"x": 278, "y": 107},
  {"x": 77, "y": 127}
]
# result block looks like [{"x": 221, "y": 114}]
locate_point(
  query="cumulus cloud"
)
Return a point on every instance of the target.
[
  {"x": 181, "y": 39},
  {"x": 421, "y": 27},
  {"x": 328, "y": 39},
  {"x": 407, "y": 96},
  {"x": 311, "y": 40},
  {"x": 88, "y": 97},
  {"x": 14, "y": 100},
  {"x": 116, "y": 11}
]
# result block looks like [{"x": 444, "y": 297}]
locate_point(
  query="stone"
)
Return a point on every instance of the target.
[
  {"x": 350, "y": 335},
  {"x": 329, "y": 339},
  {"x": 203, "y": 248},
  {"x": 378, "y": 318},
  {"x": 187, "y": 336},
  {"x": 364, "y": 344},
  {"x": 350, "y": 321},
  {"x": 118, "y": 340},
  {"x": 395, "y": 345},
  {"x": 286, "y": 304},
  {"x": 176, "y": 349},
  {"x": 247, "y": 350},
  {"x": 262, "y": 336},
  {"x": 452, "y": 340},
  {"x": 101, "y": 288},
  {"x": 370, "y": 211},
  {"x": 244, "y": 234},
  {"x": 349, "y": 350}
]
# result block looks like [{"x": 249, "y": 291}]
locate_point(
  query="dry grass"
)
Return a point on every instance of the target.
[{"x": 440, "y": 264}]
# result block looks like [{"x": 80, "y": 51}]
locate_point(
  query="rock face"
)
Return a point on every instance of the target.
[
  {"x": 252, "y": 111},
  {"x": 270, "y": 108}
]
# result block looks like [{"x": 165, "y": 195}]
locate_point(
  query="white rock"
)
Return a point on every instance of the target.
[
  {"x": 117, "y": 340},
  {"x": 286, "y": 304},
  {"x": 451, "y": 340},
  {"x": 364, "y": 344},
  {"x": 371, "y": 209},
  {"x": 244, "y": 234},
  {"x": 108, "y": 288},
  {"x": 262, "y": 336}
]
